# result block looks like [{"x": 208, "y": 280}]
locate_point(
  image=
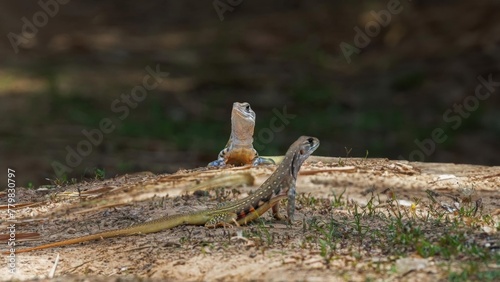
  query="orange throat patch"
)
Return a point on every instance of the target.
[{"x": 240, "y": 156}]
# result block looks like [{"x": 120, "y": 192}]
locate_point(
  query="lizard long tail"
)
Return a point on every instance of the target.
[{"x": 143, "y": 228}]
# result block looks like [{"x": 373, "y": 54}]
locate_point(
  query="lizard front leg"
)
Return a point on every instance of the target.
[
  {"x": 221, "y": 159},
  {"x": 291, "y": 203},
  {"x": 290, "y": 207},
  {"x": 261, "y": 161}
]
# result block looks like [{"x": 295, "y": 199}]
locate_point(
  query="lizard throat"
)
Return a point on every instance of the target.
[{"x": 242, "y": 135}]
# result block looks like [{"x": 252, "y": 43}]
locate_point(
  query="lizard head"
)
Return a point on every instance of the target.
[
  {"x": 243, "y": 111},
  {"x": 299, "y": 151},
  {"x": 242, "y": 120}
]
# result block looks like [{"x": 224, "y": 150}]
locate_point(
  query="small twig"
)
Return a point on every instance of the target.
[
  {"x": 333, "y": 169},
  {"x": 53, "y": 270}
]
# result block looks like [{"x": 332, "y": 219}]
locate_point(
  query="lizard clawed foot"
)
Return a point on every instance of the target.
[
  {"x": 280, "y": 217},
  {"x": 286, "y": 220},
  {"x": 217, "y": 163},
  {"x": 295, "y": 223},
  {"x": 262, "y": 161},
  {"x": 235, "y": 222}
]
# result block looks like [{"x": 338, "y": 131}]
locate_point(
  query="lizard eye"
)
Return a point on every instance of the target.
[
  {"x": 247, "y": 108},
  {"x": 310, "y": 140}
]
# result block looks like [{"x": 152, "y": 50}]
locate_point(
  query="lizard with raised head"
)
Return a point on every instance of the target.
[
  {"x": 280, "y": 185},
  {"x": 239, "y": 149}
]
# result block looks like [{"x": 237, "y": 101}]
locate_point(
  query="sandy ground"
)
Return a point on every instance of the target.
[{"x": 271, "y": 250}]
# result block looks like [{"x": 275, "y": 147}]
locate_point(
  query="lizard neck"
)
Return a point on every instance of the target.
[
  {"x": 284, "y": 177},
  {"x": 242, "y": 132},
  {"x": 238, "y": 142}
]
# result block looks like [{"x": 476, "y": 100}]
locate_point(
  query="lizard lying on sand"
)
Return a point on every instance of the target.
[
  {"x": 239, "y": 149},
  {"x": 279, "y": 185}
]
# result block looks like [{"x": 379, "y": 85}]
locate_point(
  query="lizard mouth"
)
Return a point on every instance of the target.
[
  {"x": 314, "y": 147},
  {"x": 243, "y": 115},
  {"x": 243, "y": 110}
]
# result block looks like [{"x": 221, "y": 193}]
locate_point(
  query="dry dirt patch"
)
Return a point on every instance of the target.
[{"x": 382, "y": 220}]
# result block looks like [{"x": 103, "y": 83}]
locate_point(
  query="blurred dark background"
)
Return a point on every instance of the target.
[{"x": 398, "y": 90}]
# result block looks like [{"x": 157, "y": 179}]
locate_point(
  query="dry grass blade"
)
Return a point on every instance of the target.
[
  {"x": 53, "y": 270},
  {"x": 224, "y": 180},
  {"x": 20, "y": 206},
  {"x": 21, "y": 236},
  {"x": 333, "y": 169}
]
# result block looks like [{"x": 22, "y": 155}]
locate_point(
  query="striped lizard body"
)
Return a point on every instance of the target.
[{"x": 280, "y": 185}]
